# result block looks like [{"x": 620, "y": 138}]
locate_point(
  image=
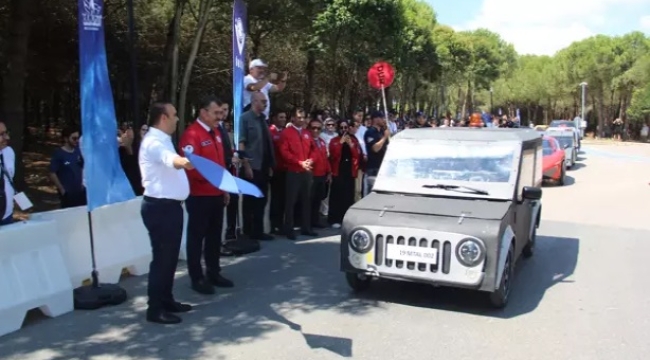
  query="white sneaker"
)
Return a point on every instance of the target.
[{"x": 336, "y": 226}]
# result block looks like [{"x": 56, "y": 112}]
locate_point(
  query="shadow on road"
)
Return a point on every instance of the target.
[
  {"x": 578, "y": 166},
  {"x": 568, "y": 181},
  {"x": 271, "y": 286},
  {"x": 554, "y": 261}
]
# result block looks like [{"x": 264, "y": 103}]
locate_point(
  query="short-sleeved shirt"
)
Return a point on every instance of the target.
[
  {"x": 160, "y": 178},
  {"x": 68, "y": 167},
  {"x": 371, "y": 137},
  {"x": 248, "y": 80}
]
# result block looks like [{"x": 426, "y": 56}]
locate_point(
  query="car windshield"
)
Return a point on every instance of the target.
[
  {"x": 565, "y": 141},
  {"x": 561, "y": 123},
  {"x": 472, "y": 162},
  {"x": 547, "y": 148}
]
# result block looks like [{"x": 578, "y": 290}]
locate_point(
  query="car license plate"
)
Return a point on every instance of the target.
[{"x": 412, "y": 253}]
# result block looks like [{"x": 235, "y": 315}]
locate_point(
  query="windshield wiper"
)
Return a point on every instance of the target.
[{"x": 457, "y": 188}]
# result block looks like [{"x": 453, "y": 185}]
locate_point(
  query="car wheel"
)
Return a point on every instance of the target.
[
  {"x": 561, "y": 181},
  {"x": 529, "y": 249},
  {"x": 499, "y": 298},
  {"x": 358, "y": 282}
]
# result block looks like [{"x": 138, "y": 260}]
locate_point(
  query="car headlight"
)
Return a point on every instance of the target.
[
  {"x": 470, "y": 252},
  {"x": 361, "y": 241}
]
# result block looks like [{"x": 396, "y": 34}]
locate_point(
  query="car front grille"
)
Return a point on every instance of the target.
[{"x": 443, "y": 262}]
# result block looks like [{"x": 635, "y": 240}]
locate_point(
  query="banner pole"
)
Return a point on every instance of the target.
[{"x": 383, "y": 97}]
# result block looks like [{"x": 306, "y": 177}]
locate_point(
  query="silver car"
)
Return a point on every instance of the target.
[{"x": 566, "y": 138}]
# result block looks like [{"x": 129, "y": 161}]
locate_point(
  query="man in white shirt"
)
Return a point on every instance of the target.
[
  {"x": 7, "y": 173},
  {"x": 165, "y": 188},
  {"x": 256, "y": 80}
]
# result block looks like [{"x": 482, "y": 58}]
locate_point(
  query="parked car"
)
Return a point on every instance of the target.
[
  {"x": 568, "y": 124},
  {"x": 566, "y": 138},
  {"x": 450, "y": 207},
  {"x": 554, "y": 162}
]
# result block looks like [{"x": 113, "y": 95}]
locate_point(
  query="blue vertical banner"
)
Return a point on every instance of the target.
[
  {"x": 106, "y": 182},
  {"x": 238, "y": 70}
]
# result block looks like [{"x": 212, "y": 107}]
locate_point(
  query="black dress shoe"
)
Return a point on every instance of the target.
[
  {"x": 230, "y": 235},
  {"x": 291, "y": 235},
  {"x": 309, "y": 233},
  {"x": 318, "y": 226},
  {"x": 220, "y": 281},
  {"x": 203, "y": 287},
  {"x": 177, "y": 307},
  {"x": 225, "y": 251},
  {"x": 163, "y": 318}
]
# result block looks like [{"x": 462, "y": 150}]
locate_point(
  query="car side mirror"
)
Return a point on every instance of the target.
[{"x": 532, "y": 193}]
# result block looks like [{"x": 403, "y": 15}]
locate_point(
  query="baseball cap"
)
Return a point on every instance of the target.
[{"x": 257, "y": 63}]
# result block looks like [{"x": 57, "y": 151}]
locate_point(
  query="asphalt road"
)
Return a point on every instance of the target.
[{"x": 584, "y": 295}]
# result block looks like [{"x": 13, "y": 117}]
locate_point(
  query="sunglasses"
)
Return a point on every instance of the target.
[
  {"x": 329, "y": 125},
  {"x": 316, "y": 128}
]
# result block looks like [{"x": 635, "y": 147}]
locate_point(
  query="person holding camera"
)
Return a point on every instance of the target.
[
  {"x": 346, "y": 159},
  {"x": 256, "y": 80}
]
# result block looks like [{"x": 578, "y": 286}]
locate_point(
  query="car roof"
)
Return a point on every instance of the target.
[{"x": 469, "y": 134}]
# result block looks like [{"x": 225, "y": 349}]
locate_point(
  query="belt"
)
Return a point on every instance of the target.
[{"x": 161, "y": 200}]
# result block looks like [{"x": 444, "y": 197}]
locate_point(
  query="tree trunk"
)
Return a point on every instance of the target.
[
  {"x": 204, "y": 12},
  {"x": 173, "y": 81},
  {"x": 13, "y": 84},
  {"x": 310, "y": 70}
]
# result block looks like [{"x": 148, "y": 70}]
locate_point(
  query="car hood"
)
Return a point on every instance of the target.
[{"x": 440, "y": 206}]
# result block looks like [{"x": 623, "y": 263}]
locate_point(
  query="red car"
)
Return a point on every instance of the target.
[{"x": 554, "y": 161}]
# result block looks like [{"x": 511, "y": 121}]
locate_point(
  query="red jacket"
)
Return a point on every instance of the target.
[
  {"x": 295, "y": 146},
  {"x": 321, "y": 161},
  {"x": 198, "y": 141},
  {"x": 275, "y": 136},
  {"x": 335, "y": 155}
]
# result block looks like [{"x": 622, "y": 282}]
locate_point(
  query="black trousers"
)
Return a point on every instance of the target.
[
  {"x": 232, "y": 211},
  {"x": 278, "y": 196},
  {"x": 298, "y": 188},
  {"x": 318, "y": 191},
  {"x": 163, "y": 219},
  {"x": 342, "y": 195},
  {"x": 253, "y": 208},
  {"x": 204, "y": 228},
  {"x": 73, "y": 199}
]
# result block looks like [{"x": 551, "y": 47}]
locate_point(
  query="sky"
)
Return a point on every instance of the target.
[{"x": 544, "y": 27}]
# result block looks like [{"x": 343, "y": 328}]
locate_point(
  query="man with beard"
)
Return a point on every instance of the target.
[{"x": 66, "y": 170}]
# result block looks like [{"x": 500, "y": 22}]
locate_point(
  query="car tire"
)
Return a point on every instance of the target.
[
  {"x": 529, "y": 249},
  {"x": 500, "y": 297},
  {"x": 561, "y": 181},
  {"x": 358, "y": 282}
]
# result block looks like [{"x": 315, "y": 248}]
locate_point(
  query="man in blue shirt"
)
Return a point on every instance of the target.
[
  {"x": 66, "y": 170},
  {"x": 376, "y": 140}
]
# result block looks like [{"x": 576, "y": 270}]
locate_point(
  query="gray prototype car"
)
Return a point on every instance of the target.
[{"x": 451, "y": 207}]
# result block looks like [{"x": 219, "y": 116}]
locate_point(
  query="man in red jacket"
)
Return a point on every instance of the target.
[
  {"x": 279, "y": 178},
  {"x": 205, "y": 205},
  {"x": 297, "y": 148},
  {"x": 321, "y": 172}
]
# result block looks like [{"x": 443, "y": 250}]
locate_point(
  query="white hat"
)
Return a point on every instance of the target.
[{"x": 257, "y": 63}]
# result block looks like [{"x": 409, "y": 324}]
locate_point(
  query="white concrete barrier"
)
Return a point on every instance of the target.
[
  {"x": 121, "y": 240},
  {"x": 72, "y": 227},
  {"x": 33, "y": 273}
]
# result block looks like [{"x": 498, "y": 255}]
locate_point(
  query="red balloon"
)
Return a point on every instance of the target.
[{"x": 381, "y": 74}]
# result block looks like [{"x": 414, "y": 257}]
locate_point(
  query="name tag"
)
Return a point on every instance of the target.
[{"x": 206, "y": 143}]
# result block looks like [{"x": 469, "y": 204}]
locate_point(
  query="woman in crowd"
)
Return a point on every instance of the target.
[{"x": 346, "y": 159}]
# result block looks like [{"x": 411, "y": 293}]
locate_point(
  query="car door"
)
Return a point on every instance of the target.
[{"x": 523, "y": 207}]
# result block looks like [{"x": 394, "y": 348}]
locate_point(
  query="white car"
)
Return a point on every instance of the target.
[{"x": 567, "y": 124}]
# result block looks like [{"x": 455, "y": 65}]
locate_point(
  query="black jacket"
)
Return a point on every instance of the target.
[{"x": 227, "y": 145}]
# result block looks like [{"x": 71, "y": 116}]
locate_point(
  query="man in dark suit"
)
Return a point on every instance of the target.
[{"x": 231, "y": 162}]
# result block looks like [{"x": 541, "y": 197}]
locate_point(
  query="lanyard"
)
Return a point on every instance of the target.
[{"x": 4, "y": 172}]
